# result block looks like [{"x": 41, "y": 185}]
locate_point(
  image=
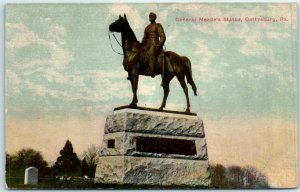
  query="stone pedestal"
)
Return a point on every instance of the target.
[{"x": 153, "y": 148}]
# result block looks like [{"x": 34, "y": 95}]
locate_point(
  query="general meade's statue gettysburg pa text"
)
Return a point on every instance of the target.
[{"x": 148, "y": 58}]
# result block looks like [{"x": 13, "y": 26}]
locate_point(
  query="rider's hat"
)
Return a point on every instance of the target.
[{"x": 151, "y": 13}]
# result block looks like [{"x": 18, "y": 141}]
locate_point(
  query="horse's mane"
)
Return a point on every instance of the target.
[{"x": 131, "y": 32}]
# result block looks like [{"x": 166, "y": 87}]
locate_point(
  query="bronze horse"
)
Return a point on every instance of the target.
[{"x": 135, "y": 64}]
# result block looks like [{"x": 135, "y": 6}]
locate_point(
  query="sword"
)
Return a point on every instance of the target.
[{"x": 163, "y": 68}]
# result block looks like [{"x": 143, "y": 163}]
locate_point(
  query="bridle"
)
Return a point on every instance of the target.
[
  {"x": 109, "y": 32},
  {"x": 111, "y": 43}
]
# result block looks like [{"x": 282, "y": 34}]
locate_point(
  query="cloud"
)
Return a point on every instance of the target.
[
  {"x": 25, "y": 38},
  {"x": 57, "y": 32},
  {"x": 252, "y": 36},
  {"x": 276, "y": 35},
  {"x": 84, "y": 86},
  {"x": 13, "y": 81},
  {"x": 173, "y": 35},
  {"x": 90, "y": 85},
  {"x": 253, "y": 47},
  {"x": 205, "y": 68},
  {"x": 147, "y": 86},
  {"x": 41, "y": 90},
  {"x": 287, "y": 10},
  {"x": 257, "y": 12},
  {"x": 285, "y": 76}
]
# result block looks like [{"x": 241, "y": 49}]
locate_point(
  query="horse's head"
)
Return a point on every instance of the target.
[{"x": 119, "y": 25}]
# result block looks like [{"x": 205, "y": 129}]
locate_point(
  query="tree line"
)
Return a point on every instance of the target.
[
  {"x": 236, "y": 177},
  {"x": 67, "y": 165}
]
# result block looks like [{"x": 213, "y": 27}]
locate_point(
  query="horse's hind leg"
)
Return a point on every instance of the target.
[
  {"x": 165, "y": 83},
  {"x": 185, "y": 90},
  {"x": 190, "y": 80}
]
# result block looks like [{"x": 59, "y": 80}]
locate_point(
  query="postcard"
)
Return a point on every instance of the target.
[{"x": 165, "y": 96}]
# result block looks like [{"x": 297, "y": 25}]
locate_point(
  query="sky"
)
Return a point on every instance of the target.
[{"x": 63, "y": 79}]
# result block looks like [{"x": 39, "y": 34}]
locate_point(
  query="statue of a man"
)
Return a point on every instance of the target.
[{"x": 153, "y": 41}]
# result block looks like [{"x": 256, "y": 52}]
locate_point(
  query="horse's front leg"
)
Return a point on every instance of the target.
[{"x": 134, "y": 79}]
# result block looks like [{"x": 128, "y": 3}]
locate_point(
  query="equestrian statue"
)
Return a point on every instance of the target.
[{"x": 148, "y": 58}]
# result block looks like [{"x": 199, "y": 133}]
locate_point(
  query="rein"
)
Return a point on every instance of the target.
[{"x": 117, "y": 42}]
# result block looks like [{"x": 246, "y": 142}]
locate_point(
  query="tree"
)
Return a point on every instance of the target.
[
  {"x": 84, "y": 167},
  {"x": 92, "y": 158},
  {"x": 17, "y": 163},
  {"x": 235, "y": 177},
  {"x": 8, "y": 162},
  {"x": 254, "y": 179},
  {"x": 67, "y": 163},
  {"x": 26, "y": 158},
  {"x": 218, "y": 176}
]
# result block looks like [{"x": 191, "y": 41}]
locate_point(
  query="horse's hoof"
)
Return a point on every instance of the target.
[
  {"x": 160, "y": 109},
  {"x": 133, "y": 105},
  {"x": 187, "y": 110}
]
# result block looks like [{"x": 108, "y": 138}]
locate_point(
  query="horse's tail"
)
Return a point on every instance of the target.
[{"x": 188, "y": 74}]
